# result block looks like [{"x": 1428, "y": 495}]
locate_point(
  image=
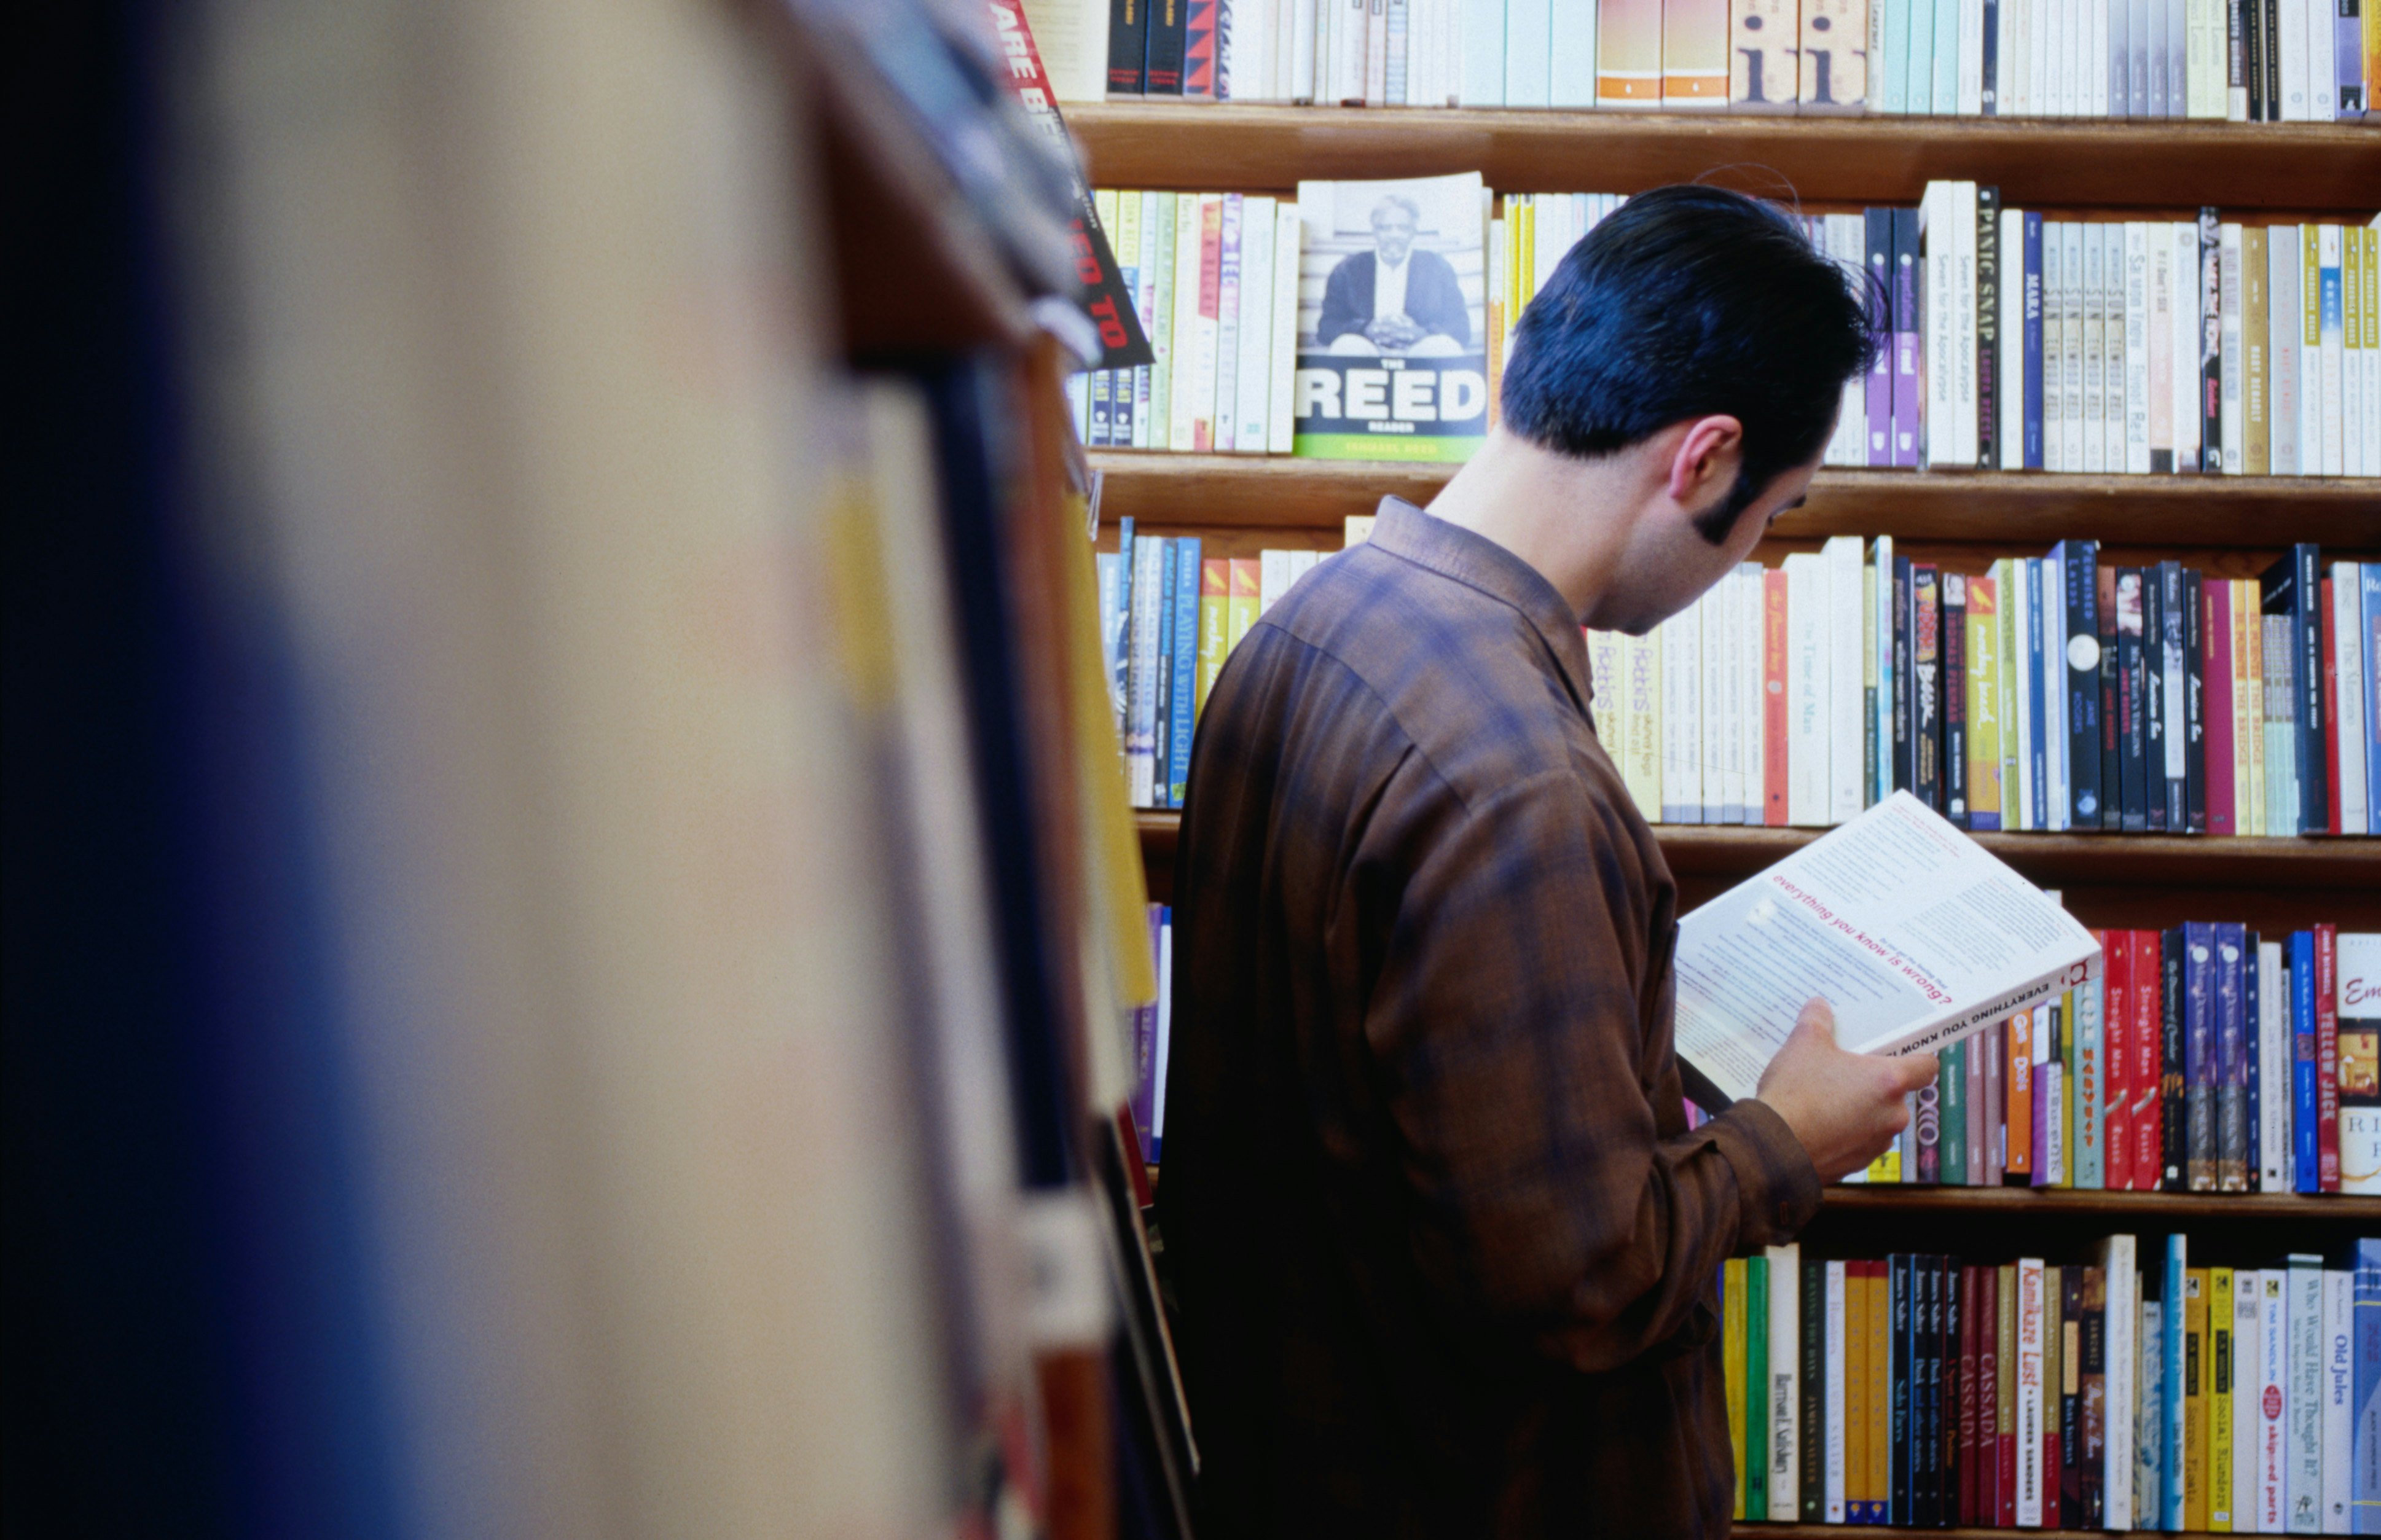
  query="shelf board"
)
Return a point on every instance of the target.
[
  {"x": 1885, "y": 1532},
  {"x": 2162, "y": 164},
  {"x": 2351, "y": 867},
  {"x": 1258, "y": 491},
  {"x": 2148, "y": 1207}
]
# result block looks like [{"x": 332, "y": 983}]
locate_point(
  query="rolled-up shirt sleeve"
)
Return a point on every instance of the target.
[{"x": 1519, "y": 1058}]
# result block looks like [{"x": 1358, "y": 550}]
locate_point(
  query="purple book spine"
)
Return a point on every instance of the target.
[
  {"x": 1144, "y": 1047},
  {"x": 1880, "y": 373},
  {"x": 1906, "y": 393}
]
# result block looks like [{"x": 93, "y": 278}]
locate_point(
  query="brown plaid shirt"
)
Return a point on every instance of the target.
[{"x": 1445, "y": 1250}]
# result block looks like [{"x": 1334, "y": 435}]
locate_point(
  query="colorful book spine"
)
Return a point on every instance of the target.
[
  {"x": 1185, "y": 640},
  {"x": 2326, "y": 1057},
  {"x": 2364, "y": 1391}
]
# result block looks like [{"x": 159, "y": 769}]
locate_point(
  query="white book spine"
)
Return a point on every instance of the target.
[
  {"x": 1253, "y": 357},
  {"x": 1727, "y": 605},
  {"x": 2011, "y": 361},
  {"x": 2273, "y": 1069},
  {"x": 1785, "y": 1381},
  {"x": 2284, "y": 320},
  {"x": 2095, "y": 329},
  {"x": 2274, "y": 1404},
  {"x": 1273, "y": 578},
  {"x": 1963, "y": 320},
  {"x": 2229, "y": 322},
  {"x": 2303, "y": 1454},
  {"x": 2113, "y": 398},
  {"x": 2095, "y": 31},
  {"x": 1299, "y": 86},
  {"x": 2015, "y": 603},
  {"x": 1528, "y": 39},
  {"x": 2355, "y": 689},
  {"x": 1806, "y": 690},
  {"x": 2053, "y": 345},
  {"x": 2029, "y": 1392},
  {"x": 2248, "y": 1380},
  {"x": 1165, "y": 1035},
  {"x": 1842, "y": 634},
  {"x": 1484, "y": 54},
  {"x": 2322, "y": 67},
  {"x": 2310, "y": 335},
  {"x": 1836, "y": 1401},
  {"x": 1225, "y": 433},
  {"x": 1184, "y": 324},
  {"x": 2334, "y": 444},
  {"x": 2187, "y": 414},
  {"x": 1280, "y": 424},
  {"x": 2116, "y": 1263},
  {"x": 1571, "y": 62},
  {"x": 1683, "y": 777},
  {"x": 2070, "y": 341},
  {"x": 2339, "y": 1384},
  {"x": 1711, "y": 617},
  {"x": 1881, "y": 636},
  {"x": 1141, "y": 671},
  {"x": 1972, "y": 58}
]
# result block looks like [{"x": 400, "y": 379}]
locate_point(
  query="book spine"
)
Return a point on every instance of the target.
[
  {"x": 2174, "y": 1436},
  {"x": 1251, "y": 414},
  {"x": 1785, "y": 1397},
  {"x": 2018, "y": 1157},
  {"x": 2194, "y": 1399},
  {"x": 1757, "y": 1386},
  {"x": 2090, "y": 1060},
  {"x": 2273, "y": 1402},
  {"x": 2030, "y": 1389},
  {"x": 2327, "y": 1054},
  {"x": 1127, "y": 73},
  {"x": 2302, "y": 1472},
  {"x": 2199, "y": 1050},
  {"x": 1809, "y": 1437},
  {"x": 1735, "y": 1325},
  {"x": 2248, "y": 1378},
  {"x": 2338, "y": 1379},
  {"x": 1162, "y": 676},
  {"x": 2195, "y": 704},
  {"x": 2118, "y": 1056},
  {"x": 1168, "y": 41},
  {"x": 1186, "y": 650},
  {"x": 2119, "y": 1326},
  {"x": 2216, "y": 627},
  {"x": 2149, "y": 1422},
  {"x": 1280, "y": 414},
  {"x": 1952, "y": 644},
  {"x": 1881, "y": 1391},
  {"x": 2364, "y": 1391},
  {"x": 1846, "y": 1358},
  {"x": 1907, "y": 397},
  {"x": 2232, "y": 1069},
  {"x": 2304, "y": 1129},
  {"x": 1215, "y": 623},
  {"x": 2174, "y": 1083},
  {"x": 1959, "y": 1506},
  {"x": 1992, "y": 1394}
]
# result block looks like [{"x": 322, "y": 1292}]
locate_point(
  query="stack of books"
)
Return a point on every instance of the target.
[{"x": 1928, "y": 1391}]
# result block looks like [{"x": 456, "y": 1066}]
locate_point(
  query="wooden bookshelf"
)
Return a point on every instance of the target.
[
  {"x": 2035, "y": 162},
  {"x": 1275, "y": 492},
  {"x": 1884, "y": 1531},
  {"x": 2117, "y": 1210}
]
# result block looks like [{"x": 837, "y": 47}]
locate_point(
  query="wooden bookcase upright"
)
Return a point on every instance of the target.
[{"x": 2229, "y": 526}]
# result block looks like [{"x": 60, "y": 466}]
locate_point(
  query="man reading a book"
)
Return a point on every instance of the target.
[{"x": 1445, "y": 1248}]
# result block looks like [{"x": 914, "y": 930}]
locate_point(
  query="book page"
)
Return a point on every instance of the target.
[{"x": 1899, "y": 920}]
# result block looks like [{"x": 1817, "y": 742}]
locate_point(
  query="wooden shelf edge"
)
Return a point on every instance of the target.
[
  {"x": 2150, "y": 1208},
  {"x": 1257, "y": 492},
  {"x": 2312, "y": 862},
  {"x": 2163, "y": 163},
  {"x": 1769, "y": 1531}
]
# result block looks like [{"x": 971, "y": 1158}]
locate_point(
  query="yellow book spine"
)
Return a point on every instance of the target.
[
  {"x": 1983, "y": 704},
  {"x": 1731, "y": 1287},
  {"x": 1855, "y": 1429},
  {"x": 2194, "y": 1399},
  {"x": 1245, "y": 581},
  {"x": 1214, "y": 624},
  {"x": 2219, "y": 1420}
]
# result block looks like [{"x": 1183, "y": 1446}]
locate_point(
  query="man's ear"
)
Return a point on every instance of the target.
[{"x": 1704, "y": 467}]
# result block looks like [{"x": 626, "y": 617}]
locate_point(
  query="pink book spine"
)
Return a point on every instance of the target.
[{"x": 2216, "y": 609}]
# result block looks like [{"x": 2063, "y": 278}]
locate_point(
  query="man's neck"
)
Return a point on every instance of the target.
[{"x": 1567, "y": 518}]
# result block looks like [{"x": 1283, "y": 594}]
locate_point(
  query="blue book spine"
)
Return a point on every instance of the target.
[
  {"x": 1920, "y": 66},
  {"x": 2199, "y": 1056},
  {"x": 2038, "y": 768},
  {"x": 2302, "y": 1129},
  {"x": 2171, "y": 1435},
  {"x": 2364, "y": 1403},
  {"x": 1162, "y": 696},
  {"x": 2032, "y": 339},
  {"x": 1945, "y": 94},
  {"x": 1185, "y": 594},
  {"x": 2149, "y": 1418},
  {"x": 2252, "y": 995},
  {"x": 2233, "y": 1161}
]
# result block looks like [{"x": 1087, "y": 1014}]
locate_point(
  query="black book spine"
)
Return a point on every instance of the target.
[
  {"x": 1810, "y": 1447},
  {"x": 2096, "y": 1388},
  {"x": 2080, "y": 672},
  {"x": 1128, "y": 47},
  {"x": 1954, "y": 699},
  {"x": 2153, "y": 701},
  {"x": 1925, "y": 1369},
  {"x": 1925, "y": 686},
  {"x": 2253, "y": 62},
  {"x": 2112, "y": 730},
  {"x": 2070, "y": 1398},
  {"x": 1897, "y": 1425},
  {"x": 2315, "y": 766},
  {"x": 2173, "y": 1084},
  {"x": 2273, "y": 13},
  {"x": 2211, "y": 350},
  {"x": 2194, "y": 702},
  {"x": 2132, "y": 701},
  {"x": 1988, "y": 305},
  {"x": 1905, "y": 769},
  {"x": 1169, "y": 39}
]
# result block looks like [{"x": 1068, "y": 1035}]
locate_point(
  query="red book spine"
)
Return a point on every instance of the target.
[
  {"x": 2326, "y": 1057},
  {"x": 2330, "y": 710},
  {"x": 1970, "y": 1301},
  {"x": 2004, "y": 1453},
  {"x": 2117, "y": 1061},
  {"x": 2149, "y": 1061},
  {"x": 1988, "y": 1395},
  {"x": 1772, "y": 698},
  {"x": 2215, "y": 607}
]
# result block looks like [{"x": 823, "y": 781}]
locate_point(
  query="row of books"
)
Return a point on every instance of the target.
[
  {"x": 2246, "y": 60},
  {"x": 1169, "y": 616},
  {"x": 2198, "y": 1059},
  {"x": 2052, "y": 693},
  {"x": 1928, "y": 1391},
  {"x": 2017, "y": 342}
]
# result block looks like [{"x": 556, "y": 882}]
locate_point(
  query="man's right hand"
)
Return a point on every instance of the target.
[{"x": 1846, "y": 1108}]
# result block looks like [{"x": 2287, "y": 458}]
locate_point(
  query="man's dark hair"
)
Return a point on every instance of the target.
[{"x": 1686, "y": 302}]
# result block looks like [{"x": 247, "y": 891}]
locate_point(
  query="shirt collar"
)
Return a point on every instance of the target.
[{"x": 1478, "y": 562}]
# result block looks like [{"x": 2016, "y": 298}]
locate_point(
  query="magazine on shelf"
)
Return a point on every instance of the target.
[{"x": 1914, "y": 934}]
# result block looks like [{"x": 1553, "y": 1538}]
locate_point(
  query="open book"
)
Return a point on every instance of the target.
[{"x": 1914, "y": 933}]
